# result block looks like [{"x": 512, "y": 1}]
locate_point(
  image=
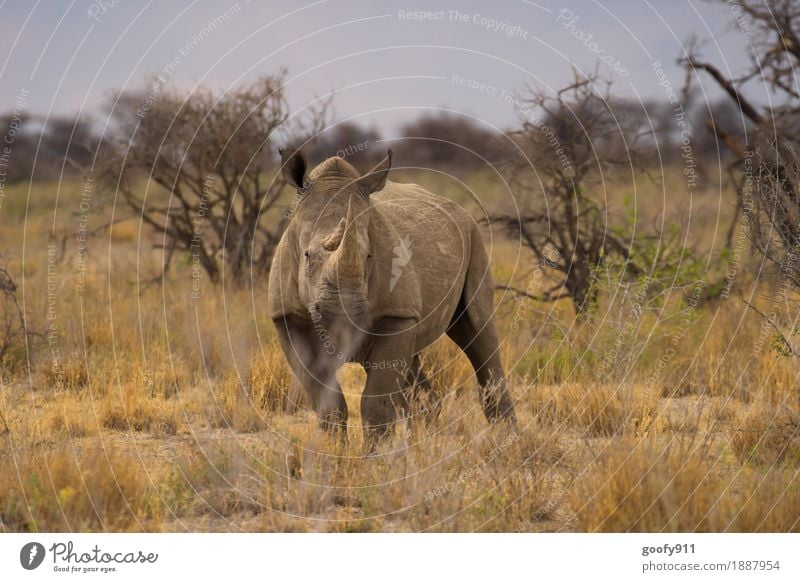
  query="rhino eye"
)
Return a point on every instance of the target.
[{"x": 307, "y": 255}]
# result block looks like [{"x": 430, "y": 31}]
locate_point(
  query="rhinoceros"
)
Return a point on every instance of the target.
[{"x": 373, "y": 271}]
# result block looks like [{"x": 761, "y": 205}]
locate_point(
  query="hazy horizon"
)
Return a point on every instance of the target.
[{"x": 384, "y": 62}]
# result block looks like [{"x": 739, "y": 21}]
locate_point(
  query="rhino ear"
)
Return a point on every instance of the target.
[
  {"x": 293, "y": 167},
  {"x": 375, "y": 180}
]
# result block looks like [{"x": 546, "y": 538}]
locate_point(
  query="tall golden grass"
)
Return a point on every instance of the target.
[{"x": 147, "y": 410}]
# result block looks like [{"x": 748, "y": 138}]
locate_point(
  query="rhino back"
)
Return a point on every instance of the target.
[{"x": 421, "y": 244}]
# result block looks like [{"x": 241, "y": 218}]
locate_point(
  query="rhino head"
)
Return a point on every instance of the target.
[{"x": 332, "y": 234}]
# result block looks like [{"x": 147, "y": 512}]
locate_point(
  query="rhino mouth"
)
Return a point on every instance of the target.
[
  {"x": 336, "y": 302},
  {"x": 338, "y": 314}
]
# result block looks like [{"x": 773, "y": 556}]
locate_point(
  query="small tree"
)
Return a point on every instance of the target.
[
  {"x": 13, "y": 333},
  {"x": 201, "y": 169},
  {"x": 566, "y": 145}
]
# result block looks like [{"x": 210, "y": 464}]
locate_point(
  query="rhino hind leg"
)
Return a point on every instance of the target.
[
  {"x": 472, "y": 329},
  {"x": 482, "y": 349}
]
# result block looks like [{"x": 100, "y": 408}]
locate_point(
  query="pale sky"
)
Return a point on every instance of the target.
[{"x": 385, "y": 65}]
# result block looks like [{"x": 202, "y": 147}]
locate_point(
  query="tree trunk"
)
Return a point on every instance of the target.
[{"x": 583, "y": 292}]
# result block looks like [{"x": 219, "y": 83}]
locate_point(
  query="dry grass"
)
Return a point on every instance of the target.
[
  {"x": 73, "y": 489},
  {"x": 69, "y": 417},
  {"x": 270, "y": 379},
  {"x": 150, "y": 410},
  {"x": 767, "y": 437},
  {"x": 767, "y": 502},
  {"x": 596, "y": 410},
  {"x": 648, "y": 487},
  {"x": 139, "y": 415}
]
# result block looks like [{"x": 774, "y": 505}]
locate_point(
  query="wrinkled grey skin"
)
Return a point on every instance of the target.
[{"x": 372, "y": 271}]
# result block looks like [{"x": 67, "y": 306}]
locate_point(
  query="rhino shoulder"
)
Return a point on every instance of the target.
[
  {"x": 421, "y": 243},
  {"x": 282, "y": 293}
]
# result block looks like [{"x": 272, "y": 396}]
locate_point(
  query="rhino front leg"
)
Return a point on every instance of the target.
[
  {"x": 316, "y": 372},
  {"x": 422, "y": 399},
  {"x": 331, "y": 405},
  {"x": 388, "y": 365}
]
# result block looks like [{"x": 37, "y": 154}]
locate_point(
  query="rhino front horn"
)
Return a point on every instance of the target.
[{"x": 348, "y": 257}]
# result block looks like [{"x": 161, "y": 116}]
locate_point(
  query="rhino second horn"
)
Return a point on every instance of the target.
[{"x": 332, "y": 242}]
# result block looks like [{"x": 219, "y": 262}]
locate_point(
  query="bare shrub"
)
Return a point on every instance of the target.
[
  {"x": 13, "y": 332},
  {"x": 765, "y": 143},
  {"x": 200, "y": 169},
  {"x": 568, "y": 145}
]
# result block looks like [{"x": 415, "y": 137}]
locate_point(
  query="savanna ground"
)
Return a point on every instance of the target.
[{"x": 144, "y": 409}]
